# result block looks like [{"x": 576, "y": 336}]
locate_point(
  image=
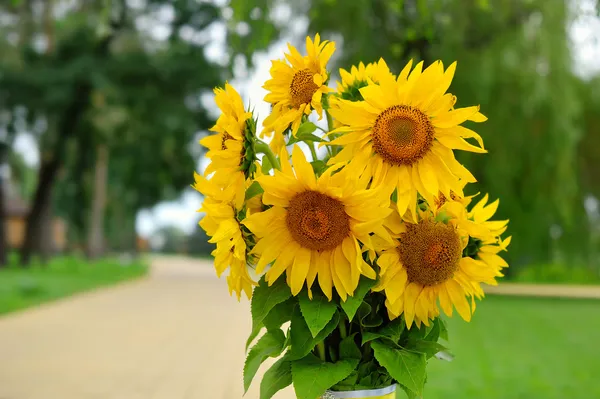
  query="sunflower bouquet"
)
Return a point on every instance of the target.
[{"x": 348, "y": 255}]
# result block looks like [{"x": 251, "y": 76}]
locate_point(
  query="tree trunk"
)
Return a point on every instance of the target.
[
  {"x": 38, "y": 215},
  {"x": 67, "y": 126},
  {"x": 95, "y": 247},
  {"x": 3, "y": 244},
  {"x": 49, "y": 25},
  {"x": 41, "y": 209}
]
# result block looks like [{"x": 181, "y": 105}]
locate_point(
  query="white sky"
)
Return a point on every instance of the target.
[{"x": 585, "y": 37}]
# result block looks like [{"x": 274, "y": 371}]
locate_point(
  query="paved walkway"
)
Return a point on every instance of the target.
[
  {"x": 175, "y": 335},
  {"x": 546, "y": 290}
]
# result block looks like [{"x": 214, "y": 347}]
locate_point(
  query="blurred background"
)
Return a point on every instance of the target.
[{"x": 102, "y": 103}]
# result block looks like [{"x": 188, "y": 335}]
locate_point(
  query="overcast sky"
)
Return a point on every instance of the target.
[{"x": 585, "y": 36}]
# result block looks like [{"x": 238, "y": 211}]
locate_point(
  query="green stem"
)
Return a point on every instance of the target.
[
  {"x": 263, "y": 148},
  {"x": 321, "y": 350},
  {"x": 329, "y": 120},
  {"x": 343, "y": 332},
  {"x": 311, "y": 145}
]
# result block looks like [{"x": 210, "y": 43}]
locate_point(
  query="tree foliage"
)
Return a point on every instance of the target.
[{"x": 514, "y": 58}]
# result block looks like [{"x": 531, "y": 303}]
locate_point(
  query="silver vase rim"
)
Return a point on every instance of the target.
[{"x": 364, "y": 393}]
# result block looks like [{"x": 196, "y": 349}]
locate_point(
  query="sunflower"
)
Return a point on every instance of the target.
[
  {"x": 315, "y": 226},
  {"x": 295, "y": 88},
  {"x": 486, "y": 250},
  {"x": 221, "y": 224},
  {"x": 359, "y": 77},
  {"x": 404, "y": 131},
  {"x": 427, "y": 264},
  {"x": 230, "y": 150}
]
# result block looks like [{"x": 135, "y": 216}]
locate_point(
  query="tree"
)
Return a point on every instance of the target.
[{"x": 119, "y": 106}]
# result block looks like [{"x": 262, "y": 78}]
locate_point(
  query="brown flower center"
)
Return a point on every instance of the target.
[
  {"x": 402, "y": 135},
  {"x": 317, "y": 221},
  {"x": 302, "y": 87},
  {"x": 430, "y": 252},
  {"x": 226, "y": 136}
]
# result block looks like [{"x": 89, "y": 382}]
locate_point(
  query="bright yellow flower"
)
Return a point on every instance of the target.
[
  {"x": 226, "y": 148},
  {"x": 361, "y": 76},
  {"x": 427, "y": 264},
  {"x": 314, "y": 227},
  {"x": 488, "y": 248},
  {"x": 295, "y": 88},
  {"x": 221, "y": 224},
  {"x": 404, "y": 132}
]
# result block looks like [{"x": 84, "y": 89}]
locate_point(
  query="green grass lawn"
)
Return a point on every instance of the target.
[
  {"x": 521, "y": 348},
  {"x": 62, "y": 276}
]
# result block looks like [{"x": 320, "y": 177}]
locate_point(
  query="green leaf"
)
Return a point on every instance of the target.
[
  {"x": 443, "y": 329},
  {"x": 368, "y": 336},
  {"x": 266, "y": 165},
  {"x": 318, "y": 166},
  {"x": 253, "y": 190},
  {"x": 317, "y": 312},
  {"x": 429, "y": 348},
  {"x": 312, "y": 377},
  {"x": 256, "y": 327},
  {"x": 276, "y": 378},
  {"x": 419, "y": 332},
  {"x": 349, "y": 349},
  {"x": 434, "y": 333},
  {"x": 352, "y": 304},
  {"x": 304, "y": 133},
  {"x": 394, "y": 329},
  {"x": 306, "y": 128},
  {"x": 409, "y": 393},
  {"x": 264, "y": 299},
  {"x": 281, "y": 313},
  {"x": 269, "y": 345},
  {"x": 301, "y": 338},
  {"x": 408, "y": 368},
  {"x": 348, "y": 382}
]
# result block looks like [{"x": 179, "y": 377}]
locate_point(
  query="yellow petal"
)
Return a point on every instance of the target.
[
  {"x": 455, "y": 117},
  {"x": 457, "y": 143},
  {"x": 410, "y": 296},
  {"x": 445, "y": 301},
  {"x": 428, "y": 176},
  {"x": 304, "y": 171},
  {"x": 459, "y": 300},
  {"x": 300, "y": 270},
  {"x": 324, "y": 273}
]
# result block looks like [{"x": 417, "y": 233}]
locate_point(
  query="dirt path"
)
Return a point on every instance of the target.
[
  {"x": 546, "y": 290},
  {"x": 175, "y": 335}
]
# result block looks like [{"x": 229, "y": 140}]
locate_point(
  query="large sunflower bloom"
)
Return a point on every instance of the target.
[
  {"x": 296, "y": 87},
  {"x": 361, "y": 76},
  {"x": 221, "y": 224},
  {"x": 404, "y": 131},
  {"x": 427, "y": 264},
  {"x": 314, "y": 227},
  {"x": 226, "y": 148}
]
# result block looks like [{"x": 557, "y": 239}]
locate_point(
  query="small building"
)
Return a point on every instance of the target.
[{"x": 16, "y": 212}]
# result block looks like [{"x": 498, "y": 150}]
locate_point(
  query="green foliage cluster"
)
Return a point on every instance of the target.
[
  {"x": 337, "y": 345},
  {"x": 102, "y": 82}
]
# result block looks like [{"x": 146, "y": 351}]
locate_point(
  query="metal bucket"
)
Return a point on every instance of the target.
[{"x": 381, "y": 393}]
